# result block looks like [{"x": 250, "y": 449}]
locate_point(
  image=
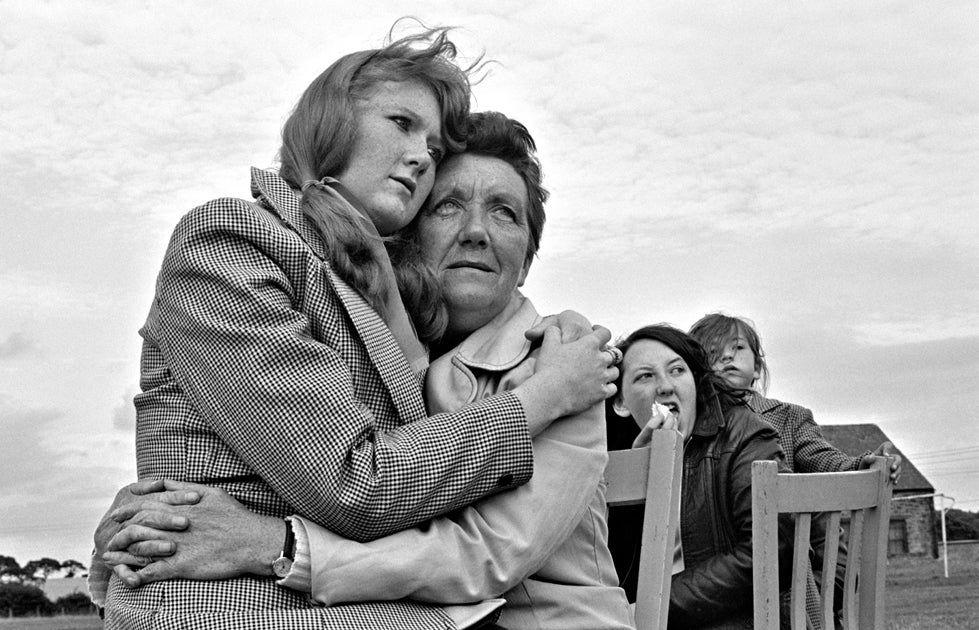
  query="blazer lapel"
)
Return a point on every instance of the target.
[{"x": 400, "y": 380}]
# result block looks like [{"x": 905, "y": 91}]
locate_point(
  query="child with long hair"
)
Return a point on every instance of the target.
[{"x": 734, "y": 350}]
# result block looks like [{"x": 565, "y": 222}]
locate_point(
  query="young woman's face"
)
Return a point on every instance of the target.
[
  {"x": 653, "y": 372},
  {"x": 474, "y": 232},
  {"x": 735, "y": 363},
  {"x": 397, "y": 145}
]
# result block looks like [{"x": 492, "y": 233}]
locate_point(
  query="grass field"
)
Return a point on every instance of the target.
[
  {"x": 918, "y": 596},
  {"x": 66, "y": 622}
]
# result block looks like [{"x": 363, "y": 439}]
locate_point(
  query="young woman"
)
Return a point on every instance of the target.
[
  {"x": 663, "y": 366},
  {"x": 280, "y": 365}
]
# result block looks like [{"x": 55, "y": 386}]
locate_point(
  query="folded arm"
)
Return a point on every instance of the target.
[{"x": 481, "y": 551}]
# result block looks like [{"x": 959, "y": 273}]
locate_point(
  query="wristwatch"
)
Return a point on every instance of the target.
[{"x": 283, "y": 564}]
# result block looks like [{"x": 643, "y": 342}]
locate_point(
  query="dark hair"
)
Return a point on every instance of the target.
[
  {"x": 715, "y": 330},
  {"x": 494, "y": 135},
  {"x": 710, "y": 387},
  {"x": 319, "y": 135}
]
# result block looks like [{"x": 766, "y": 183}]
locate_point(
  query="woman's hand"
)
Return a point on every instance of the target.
[
  {"x": 221, "y": 539},
  {"x": 662, "y": 418},
  {"x": 142, "y": 493},
  {"x": 568, "y": 377}
]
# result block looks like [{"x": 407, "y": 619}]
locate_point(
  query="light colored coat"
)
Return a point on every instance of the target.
[{"x": 542, "y": 545}]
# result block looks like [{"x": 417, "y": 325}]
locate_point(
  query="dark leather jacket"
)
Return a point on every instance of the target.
[{"x": 715, "y": 520}]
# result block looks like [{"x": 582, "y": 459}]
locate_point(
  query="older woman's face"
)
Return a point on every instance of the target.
[
  {"x": 392, "y": 164},
  {"x": 474, "y": 232},
  {"x": 653, "y": 372}
]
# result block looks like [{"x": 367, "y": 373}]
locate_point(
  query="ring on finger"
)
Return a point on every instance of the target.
[{"x": 615, "y": 354}]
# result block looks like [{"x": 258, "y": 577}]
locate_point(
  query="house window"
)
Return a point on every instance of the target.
[{"x": 897, "y": 537}]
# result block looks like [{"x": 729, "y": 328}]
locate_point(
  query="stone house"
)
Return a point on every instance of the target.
[{"x": 912, "y": 522}]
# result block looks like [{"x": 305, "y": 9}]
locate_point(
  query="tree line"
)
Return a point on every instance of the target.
[
  {"x": 20, "y": 592},
  {"x": 959, "y": 525}
]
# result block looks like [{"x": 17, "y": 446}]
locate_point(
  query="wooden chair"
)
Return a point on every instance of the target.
[
  {"x": 651, "y": 475},
  {"x": 867, "y": 494}
]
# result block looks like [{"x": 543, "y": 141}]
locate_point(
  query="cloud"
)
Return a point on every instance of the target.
[
  {"x": 56, "y": 481},
  {"x": 124, "y": 415},
  {"x": 16, "y": 344}
]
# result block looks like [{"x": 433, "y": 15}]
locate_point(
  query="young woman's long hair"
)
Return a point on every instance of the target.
[{"x": 319, "y": 135}]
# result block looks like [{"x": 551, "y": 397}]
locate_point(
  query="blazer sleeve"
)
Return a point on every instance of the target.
[
  {"x": 255, "y": 368},
  {"x": 722, "y": 584},
  {"x": 812, "y": 453},
  {"x": 484, "y": 550}
]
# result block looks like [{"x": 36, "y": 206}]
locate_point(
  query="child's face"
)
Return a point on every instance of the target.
[{"x": 736, "y": 364}]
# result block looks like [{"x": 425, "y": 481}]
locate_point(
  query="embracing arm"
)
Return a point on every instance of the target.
[
  {"x": 288, "y": 404},
  {"x": 475, "y": 554},
  {"x": 482, "y": 551},
  {"x": 722, "y": 583},
  {"x": 811, "y": 450},
  {"x": 814, "y": 454}
]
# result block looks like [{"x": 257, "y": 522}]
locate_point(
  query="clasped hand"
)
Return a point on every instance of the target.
[{"x": 158, "y": 530}]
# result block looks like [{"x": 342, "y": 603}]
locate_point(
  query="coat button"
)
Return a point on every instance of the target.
[{"x": 505, "y": 480}]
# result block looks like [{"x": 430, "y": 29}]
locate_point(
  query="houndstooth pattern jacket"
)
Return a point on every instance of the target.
[
  {"x": 264, "y": 373},
  {"x": 805, "y": 448}
]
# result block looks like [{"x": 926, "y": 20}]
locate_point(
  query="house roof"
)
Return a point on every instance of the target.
[{"x": 854, "y": 439}]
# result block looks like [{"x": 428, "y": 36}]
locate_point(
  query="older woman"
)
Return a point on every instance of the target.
[
  {"x": 280, "y": 364},
  {"x": 541, "y": 546},
  {"x": 666, "y": 383}
]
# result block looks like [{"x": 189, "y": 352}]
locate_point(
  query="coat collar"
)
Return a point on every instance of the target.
[
  {"x": 759, "y": 404},
  {"x": 455, "y": 379},
  {"x": 275, "y": 194},
  {"x": 500, "y": 344},
  {"x": 711, "y": 421}
]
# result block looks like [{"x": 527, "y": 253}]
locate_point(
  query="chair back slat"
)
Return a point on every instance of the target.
[
  {"x": 800, "y": 569},
  {"x": 822, "y": 492},
  {"x": 831, "y": 548},
  {"x": 866, "y": 494},
  {"x": 764, "y": 546},
  {"x": 651, "y": 475}
]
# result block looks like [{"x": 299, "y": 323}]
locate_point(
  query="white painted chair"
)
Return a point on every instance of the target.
[
  {"x": 867, "y": 495},
  {"x": 651, "y": 475}
]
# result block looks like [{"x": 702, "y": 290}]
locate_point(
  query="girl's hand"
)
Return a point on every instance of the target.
[
  {"x": 662, "y": 418},
  {"x": 885, "y": 450},
  {"x": 220, "y": 539}
]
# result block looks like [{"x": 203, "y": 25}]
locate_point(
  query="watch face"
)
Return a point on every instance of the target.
[{"x": 281, "y": 566}]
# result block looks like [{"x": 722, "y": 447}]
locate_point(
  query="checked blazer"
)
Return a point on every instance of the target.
[
  {"x": 264, "y": 373},
  {"x": 805, "y": 448}
]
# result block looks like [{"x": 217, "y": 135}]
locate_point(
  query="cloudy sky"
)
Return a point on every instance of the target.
[{"x": 812, "y": 167}]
